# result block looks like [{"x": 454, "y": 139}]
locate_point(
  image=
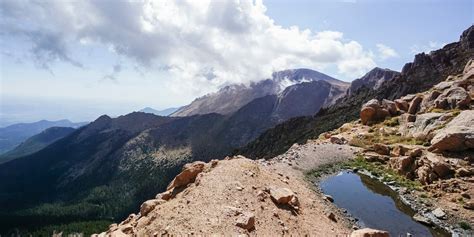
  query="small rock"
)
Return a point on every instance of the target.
[
  {"x": 367, "y": 232},
  {"x": 281, "y": 195},
  {"x": 328, "y": 197},
  {"x": 463, "y": 172},
  {"x": 381, "y": 149},
  {"x": 466, "y": 195},
  {"x": 469, "y": 205},
  {"x": 246, "y": 221},
  {"x": 423, "y": 220},
  {"x": 439, "y": 213},
  {"x": 149, "y": 205},
  {"x": 332, "y": 217},
  {"x": 415, "y": 153}
]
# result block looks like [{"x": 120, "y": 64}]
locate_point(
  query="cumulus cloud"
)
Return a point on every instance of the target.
[
  {"x": 430, "y": 46},
  {"x": 204, "y": 42},
  {"x": 386, "y": 52}
]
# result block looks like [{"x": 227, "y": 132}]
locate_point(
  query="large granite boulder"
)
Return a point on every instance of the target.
[
  {"x": 458, "y": 134},
  {"x": 374, "y": 111}
]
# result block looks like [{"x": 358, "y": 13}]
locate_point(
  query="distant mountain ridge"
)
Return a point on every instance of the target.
[
  {"x": 11, "y": 136},
  {"x": 164, "y": 112},
  {"x": 36, "y": 143},
  {"x": 233, "y": 97}
]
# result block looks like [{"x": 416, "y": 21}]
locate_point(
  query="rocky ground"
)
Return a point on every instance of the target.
[
  {"x": 427, "y": 139},
  {"x": 235, "y": 196}
]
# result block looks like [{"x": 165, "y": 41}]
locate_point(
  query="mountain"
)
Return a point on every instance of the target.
[
  {"x": 79, "y": 176},
  {"x": 373, "y": 79},
  {"x": 36, "y": 142},
  {"x": 420, "y": 75},
  {"x": 11, "y": 136},
  {"x": 164, "y": 112},
  {"x": 230, "y": 98}
]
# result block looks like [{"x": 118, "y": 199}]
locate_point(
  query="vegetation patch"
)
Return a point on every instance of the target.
[
  {"x": 464, "y": 225},
  {"x": 375, "y": 168},
  {"x": 86, "y": 228}
]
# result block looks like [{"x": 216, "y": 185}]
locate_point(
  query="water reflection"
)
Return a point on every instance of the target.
[{"x": 374, "y": 204}]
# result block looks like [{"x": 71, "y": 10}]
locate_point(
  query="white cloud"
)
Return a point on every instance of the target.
[
  {"x": 430, "y": 46},
  {"x": 385, "y": 52},
  {"x": 203, "y": 44}
]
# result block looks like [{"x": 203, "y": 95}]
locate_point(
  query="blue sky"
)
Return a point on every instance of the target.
[
  {"x": 81, "y": 59},
  {"x": 406, "y": 26}
]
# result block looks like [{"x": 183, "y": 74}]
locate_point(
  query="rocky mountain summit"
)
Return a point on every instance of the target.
[
  {"x": 282, "y": 87},
  {"x": 373, "y": 79}
]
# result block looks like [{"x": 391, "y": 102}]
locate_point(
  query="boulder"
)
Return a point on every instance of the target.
[
  {"x": 417, "y": 152},
  {"x": 246, "y": 221},
  {"x": 375, "y": 157},
  {"x": 424, "y": 126},
  {"x": 338, "y": 140},
  {"x": 415, "y": 105},
  {"x": 439, "y": 213},
  {"x": 452, "y": 98},
  {"x": 463, "y": 172},
  {"x": 402, "y": 105},
  {"x": 281, "y": 195},
  {"x": 457, "y": 135},
  {"x": 469, "y": 205},
  {"x": 429, "y": 101},
  {"x": 390, "y": 106},
  {"x": 439, "y": 166},
  {"x": 367, "y": 232},
  {"x": 422, "y": 219},
  {"x": 426, "y": 175},
  {"x": 403, "y": 164},
  {"x": 372, "y": 112},
  {"x": 188, "y": 175},
  {"x": 443, "y": 85},
  {"x": 381, "y": 149},
  {"x": 399, "y": 150},
  {"x": 149, "y": 205},
  {"x": 165, "y": 195}
]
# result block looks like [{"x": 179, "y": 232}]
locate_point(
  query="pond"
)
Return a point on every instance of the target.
[{"x": 374, "y": 204}]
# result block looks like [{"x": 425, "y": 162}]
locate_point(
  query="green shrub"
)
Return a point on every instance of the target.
[{"x": 464, "y": 225}]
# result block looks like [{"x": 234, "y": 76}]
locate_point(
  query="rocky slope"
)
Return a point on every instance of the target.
[
  {"x": 423, "y": 73},
  {"x": 372, "y": 80},
  {"x": 36, "y": 143},
  {"x": 231, "y": 98},
  {"x": 427, "y": 138},
  {"x": 231, "y": 197}
]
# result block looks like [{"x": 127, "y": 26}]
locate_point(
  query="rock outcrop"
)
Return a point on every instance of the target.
[{"x": 458, "y": 134}]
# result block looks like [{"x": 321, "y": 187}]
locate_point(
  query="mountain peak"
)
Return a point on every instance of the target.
[{"x": 373, "y": 79}]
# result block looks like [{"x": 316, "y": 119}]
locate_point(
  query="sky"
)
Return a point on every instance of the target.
[{"x": 81, "y": 59}]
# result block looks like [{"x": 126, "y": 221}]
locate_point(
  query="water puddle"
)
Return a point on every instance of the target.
[{"x": 374, "y": 204}]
